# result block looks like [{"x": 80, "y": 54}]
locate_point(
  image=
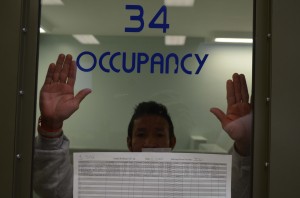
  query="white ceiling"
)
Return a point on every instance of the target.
[{"x": 206, "y": 19}]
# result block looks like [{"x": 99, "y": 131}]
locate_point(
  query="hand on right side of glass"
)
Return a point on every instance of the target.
[{"x": 237, "y": 121}]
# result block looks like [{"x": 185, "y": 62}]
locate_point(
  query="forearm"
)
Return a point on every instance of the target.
[{"x": 53, "y": 171}]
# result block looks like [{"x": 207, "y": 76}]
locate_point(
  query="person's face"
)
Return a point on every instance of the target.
[{"x": 150, "y": 131}]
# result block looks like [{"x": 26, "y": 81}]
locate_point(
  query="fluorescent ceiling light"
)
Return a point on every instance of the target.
[
  {"x": 233, "y": 40},
  {"x": 86, "y": 38},
  {"x": 42, "y": 30},
  {"x": 175, "y": 40},
  {"x": 178, "y": 3},
  {"x": 52, "y": 2}
]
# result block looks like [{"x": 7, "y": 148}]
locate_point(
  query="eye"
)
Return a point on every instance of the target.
[
  {"x": 160, "y": 133},
  {"x": 140, "y": 133}
]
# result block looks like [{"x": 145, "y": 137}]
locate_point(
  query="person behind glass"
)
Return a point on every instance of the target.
[{"x": 149, "y": 127}]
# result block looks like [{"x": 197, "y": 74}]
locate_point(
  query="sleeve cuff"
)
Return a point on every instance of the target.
[
  {"x": 45, "y": 143},
  {"x": 244, "y": 162}
]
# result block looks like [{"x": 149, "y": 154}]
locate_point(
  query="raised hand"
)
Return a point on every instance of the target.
[
  {"x": 57, "y": 100},
  {"x": 237, "y": 121}
]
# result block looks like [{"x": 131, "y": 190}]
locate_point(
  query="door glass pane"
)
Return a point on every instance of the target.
[{"x": 150, "y": 51}]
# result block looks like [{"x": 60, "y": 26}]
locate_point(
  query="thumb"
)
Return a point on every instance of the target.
[
  {"x": 82, "y": 94},
  {"x": 218, "y": 113}
]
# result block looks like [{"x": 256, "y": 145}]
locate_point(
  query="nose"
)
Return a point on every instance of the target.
[{"x": 150, "y": 142}]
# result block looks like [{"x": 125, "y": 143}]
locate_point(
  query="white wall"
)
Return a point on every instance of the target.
[{"x": 103, "y": 117}]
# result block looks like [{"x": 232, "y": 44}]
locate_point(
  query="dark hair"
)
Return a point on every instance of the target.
[{"x": 151, "y": 108}]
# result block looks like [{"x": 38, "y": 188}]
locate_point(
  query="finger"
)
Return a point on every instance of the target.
[
  {"x": 72, "y": 74},
  {"x": 244, "y": 89},
  {"x": 82, "y": 94},
  {"x": 49, "y": 75},
  {"x": 237, "y": 88},
  {"x": 58, "y": 67},
  {"x": 230, "y": 93},
  {"x": 219, "y": 114},
  {"x": 65, "y": 69}
]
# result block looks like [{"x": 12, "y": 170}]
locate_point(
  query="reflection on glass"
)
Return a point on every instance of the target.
[{"x": 130, "y": 52}]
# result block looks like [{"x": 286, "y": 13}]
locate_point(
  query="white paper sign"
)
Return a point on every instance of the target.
[{"x": 151, "y": 175}]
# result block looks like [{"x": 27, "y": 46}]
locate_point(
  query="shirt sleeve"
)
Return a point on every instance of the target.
[
  {"x": 53, "y": 171},
  {"x": 241, "y": 174}
]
